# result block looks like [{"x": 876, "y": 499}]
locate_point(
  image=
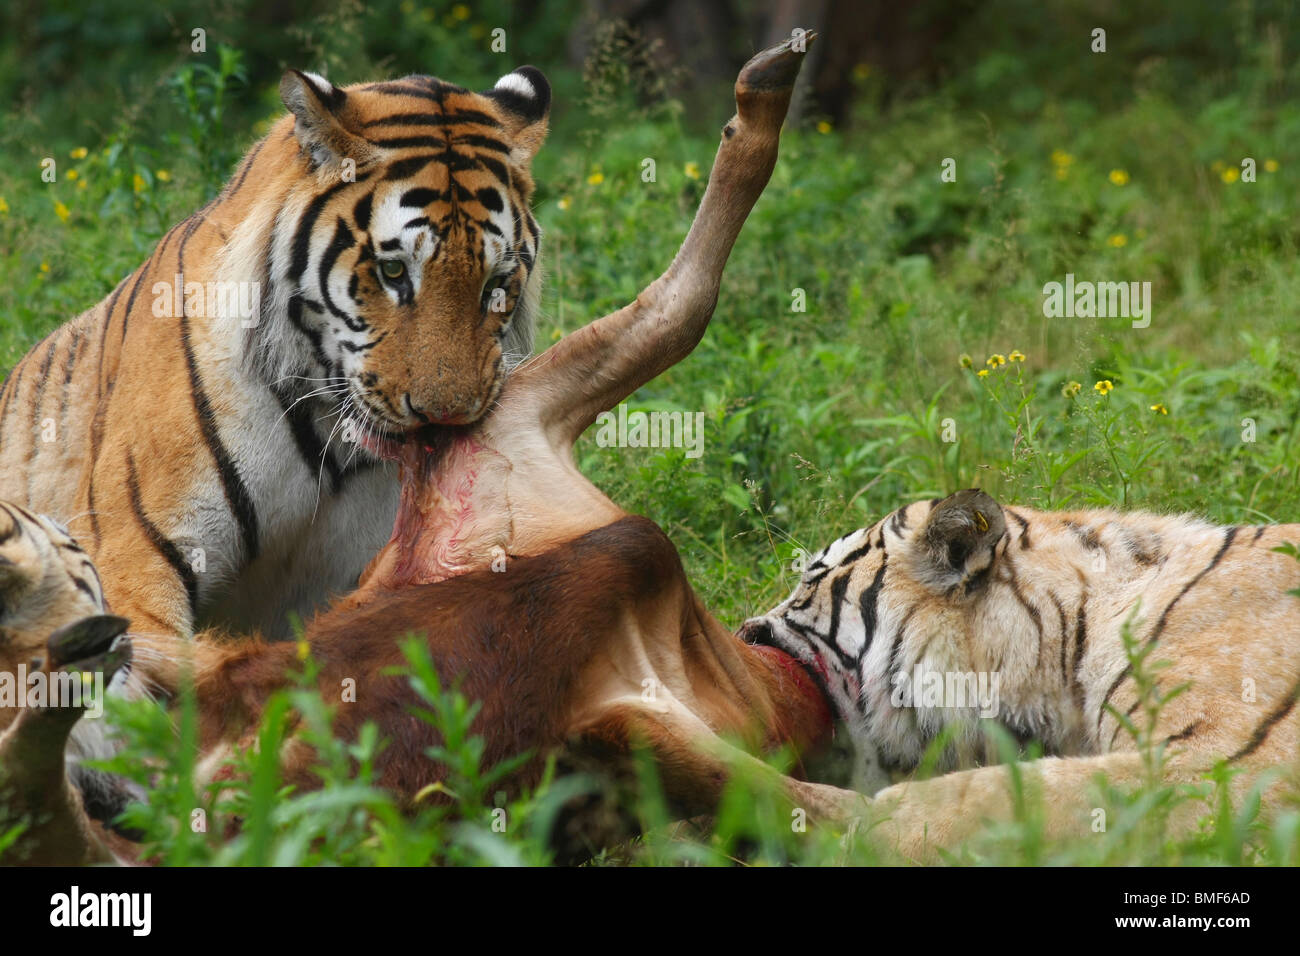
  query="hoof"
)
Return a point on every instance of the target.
[
  {"x": 775, "y": 68},
  {"x": 91, "y": 644}
]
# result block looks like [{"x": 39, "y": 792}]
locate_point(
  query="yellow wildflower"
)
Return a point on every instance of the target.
[
  {"x": 162, "y": 175},
  {"x": 983, "y": 373},
  {"x": 1061, "y": 158},
  {"x": 81, "y": 184},
  {"x": 1104, "y": 387},
  {"x": 861, "y": 71},
  {"x": 1118, "y": 177},
  {"x": 693, "y": 170},
  {"x": 45, "y": 268},
  {"x": 4, "y": 207},
  {"x": 72, "y": 174},
  {"x": 1016, "y": 356},
  {"x": 1117, "y": 241},
  {"x": 966, "y": 361},
  {"x": 61, "y": 211},
  {"x": 823, "y": 127},
  {"x": 1270, "y": 165},
  {"x": 304, "y": 650},
  {"x": 1062, "y": 173},
  {"x": 460, "y": 11},
  {"x": 1159, "y": 409},
  {"x": 995, "y": 361},
  {"x": 1230, "y": 175},
  {"x": 596, "y": 178},
  {"x": 137, "y": 183},
  {"x": 565, "y": 202},
  {"x": 1071, "y": 390},
  {"x": 79, "y": 153}
]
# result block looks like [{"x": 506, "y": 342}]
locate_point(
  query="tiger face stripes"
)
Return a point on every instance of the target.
[
  {"x": 412, "y": 260},
  {"x": 954, "y": 611},
  {"x": 215, "y": 430}
]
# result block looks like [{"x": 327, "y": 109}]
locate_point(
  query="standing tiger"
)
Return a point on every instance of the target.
[
  {"x": 953, "y": 610},
  {"x": 221, "y": 463}
]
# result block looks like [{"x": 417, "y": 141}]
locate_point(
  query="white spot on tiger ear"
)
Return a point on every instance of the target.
[
  {"x": 516, "y": 83},
  {"x": 323, "y": 86}
]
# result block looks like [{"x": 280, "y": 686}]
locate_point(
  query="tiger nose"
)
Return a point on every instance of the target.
[
  {"x": 755, "y": 631},
  {"x": 443, "y": 414}
]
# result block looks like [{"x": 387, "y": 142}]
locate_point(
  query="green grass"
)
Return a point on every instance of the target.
[{"x": 818, "y": 421}]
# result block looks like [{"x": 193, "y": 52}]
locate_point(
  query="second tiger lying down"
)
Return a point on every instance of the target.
[{"x": 954, "y": 611}]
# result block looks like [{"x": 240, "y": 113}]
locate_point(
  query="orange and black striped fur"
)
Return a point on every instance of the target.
[
  {"x": 213, "y": 430},
  {"x": 949, "y": 613}
]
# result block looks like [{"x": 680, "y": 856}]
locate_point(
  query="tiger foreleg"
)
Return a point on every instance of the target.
[{"x": 1064, "y": 797}]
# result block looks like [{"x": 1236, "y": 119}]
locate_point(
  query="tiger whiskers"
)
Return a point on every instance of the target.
[
  {"x": 309, "y": 378},
  {"x": 513, "y": 360},
  {"x": 80, "y": 515},
  {"x": 139, "y": 683},
  {"x": 335, "y": 386},
  {"x": 371, "y": 435},
  {"x": 343, "y": 414}
]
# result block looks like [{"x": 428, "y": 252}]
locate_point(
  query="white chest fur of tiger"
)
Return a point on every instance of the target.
[
  {"x": 211, "y": 430},
  {"x": 951, "y": 611}
]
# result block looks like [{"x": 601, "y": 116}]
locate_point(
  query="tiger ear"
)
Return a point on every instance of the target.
[
  {"x": 318, "y": 107},
  {"x": 524, "y": 96},
  {"x": 956, "y": 546}
]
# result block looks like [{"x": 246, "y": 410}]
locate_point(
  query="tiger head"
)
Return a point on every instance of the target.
[
  {"x": 46, "y": 583},
  {"x": 916, "y": 574},
  {"x": 406, "y": 258}
]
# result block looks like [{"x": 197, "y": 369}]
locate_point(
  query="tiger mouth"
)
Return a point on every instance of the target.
[
  {"x": 759, "y": 632},
  {"x": 809, "y": 676},
  {"x": 379, "y": 430},
  {"x": 392, "y": 442},
  {"x": 376, "y": 434}
]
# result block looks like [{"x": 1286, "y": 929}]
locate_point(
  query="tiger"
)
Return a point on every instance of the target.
[
  {"x": 218, "y": 430},
  {"x": 49, "y": 586},
  {"x": 951, "y": 613}
]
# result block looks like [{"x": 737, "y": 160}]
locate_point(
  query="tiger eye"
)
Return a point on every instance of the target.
[{"x": 392, "y": 268}]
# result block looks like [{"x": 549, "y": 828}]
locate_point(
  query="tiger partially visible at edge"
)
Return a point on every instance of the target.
[{"x": 208, "y": 461}]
